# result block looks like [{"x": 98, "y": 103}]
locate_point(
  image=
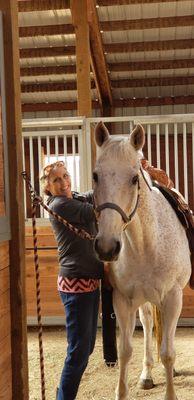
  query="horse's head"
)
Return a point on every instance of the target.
[{"x": 116, "y": 182}]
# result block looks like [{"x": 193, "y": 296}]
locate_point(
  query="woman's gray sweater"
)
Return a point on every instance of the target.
[{"x": 77, "y": 258}]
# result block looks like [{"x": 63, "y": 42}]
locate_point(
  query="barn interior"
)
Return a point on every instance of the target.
[{"x": 64, "y": 66}]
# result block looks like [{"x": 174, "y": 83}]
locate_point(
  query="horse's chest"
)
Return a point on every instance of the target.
[{"x": 137, "y": 286}]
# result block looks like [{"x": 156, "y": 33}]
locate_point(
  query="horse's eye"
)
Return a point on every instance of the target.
[
  {"x": 95, "y": 177},
  {"x": 135, "y": 179}
]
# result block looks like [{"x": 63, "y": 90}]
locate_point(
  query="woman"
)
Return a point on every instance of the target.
[{"x": 80, "y": 271}]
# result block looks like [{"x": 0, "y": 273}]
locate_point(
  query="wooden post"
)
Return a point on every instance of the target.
[
  {"x": 80, "y": 20},
  {"x": 16, "y": 248}
]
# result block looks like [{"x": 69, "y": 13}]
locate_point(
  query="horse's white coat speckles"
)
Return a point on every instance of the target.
[{"x": 151, "y": 257}]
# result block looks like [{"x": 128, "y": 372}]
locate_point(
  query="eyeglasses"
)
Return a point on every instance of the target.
[{"x": 47, "y": 170}]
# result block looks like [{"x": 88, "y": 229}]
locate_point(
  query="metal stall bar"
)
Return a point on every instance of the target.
[
  {"x": 158, "y": 145},
  {"x": 167, "y": 149},
  {"x": 185, "y": 161},
  {"x": 176, "y": 161}
]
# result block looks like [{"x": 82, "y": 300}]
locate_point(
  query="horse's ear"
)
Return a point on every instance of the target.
[
  {"x": 137, "y": 137},
  {"x": 101, "y": 133}
]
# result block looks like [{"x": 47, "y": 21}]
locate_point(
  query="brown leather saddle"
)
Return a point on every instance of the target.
[{"x": 185, "y": 215}]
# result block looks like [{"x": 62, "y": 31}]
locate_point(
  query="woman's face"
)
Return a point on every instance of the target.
[{"x": 59, "y": 182}]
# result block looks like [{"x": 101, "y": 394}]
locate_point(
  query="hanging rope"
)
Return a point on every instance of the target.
[{"x": 38, "y": 301}]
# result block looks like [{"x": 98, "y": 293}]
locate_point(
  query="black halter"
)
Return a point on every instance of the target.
[{"x": 126, "y": 219}]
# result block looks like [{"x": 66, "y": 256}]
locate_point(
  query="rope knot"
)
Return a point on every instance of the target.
[{"x": 37, "y": 200}]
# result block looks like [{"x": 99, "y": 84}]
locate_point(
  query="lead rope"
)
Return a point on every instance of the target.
[{"x": 38, "y": 301}]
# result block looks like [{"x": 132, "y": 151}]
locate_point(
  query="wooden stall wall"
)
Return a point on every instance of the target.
[
  {"x": 5, "y": 325},
  {"x": 5, "y": 320},
  {"x": 48, "y": 266},
  {"x": 13, "y": 325}
]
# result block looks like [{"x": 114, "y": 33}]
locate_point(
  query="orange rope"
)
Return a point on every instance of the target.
[{"x": 38, "y": 302}]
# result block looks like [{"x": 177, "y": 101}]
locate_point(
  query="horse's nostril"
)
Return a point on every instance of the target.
[
  {"x": 96, "y": 246},
  {"x": 118, "y": 247},
  {"x": 108, "y": 253}
]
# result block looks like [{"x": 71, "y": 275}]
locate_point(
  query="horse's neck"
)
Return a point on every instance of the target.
[{"x": 139, "y": 232}]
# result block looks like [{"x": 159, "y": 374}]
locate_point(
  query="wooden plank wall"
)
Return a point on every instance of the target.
[
  {"x": 48, "y": 265},
  {"x": 5, "y": 324},
  {"x": 51, "y": 305}
]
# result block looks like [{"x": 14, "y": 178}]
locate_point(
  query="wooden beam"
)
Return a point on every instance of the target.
[
  {"x": 147, "y": 23},
  {"x": 53, "y": 70},
  {"x": 50, "y": 87},
  {"x": 79, "y": 18},
  {"x": 33, "y": 107},
  {"x": 154, "y": 101},
  {"x": 94, "y": 71},
  {"x": 43, "y": 5},
  {"x": 149, "y": 46},
  {"x": 126, "y": 83},
  {"x": 102, "y": 3},
  {"x": 114, "y": 67},
  {"x": 138, "y": 102},
  {"x": 110, "y": 48},
  {"x": 50, "y": 30},
  {"x": 151, "y": 65},
  {"x": 152, "y": 82},
  {"x": 97, "y": 54},
  {"x": 48, "y": 52},
  {"x": 16, "y": 244}
]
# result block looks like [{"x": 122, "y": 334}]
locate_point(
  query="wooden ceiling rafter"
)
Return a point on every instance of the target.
[
  {"x": 153, "y": 82},
  {"x": 151, "y": 65},
  {"x": 34, "y": 52},
  {"x": 102, "y": 3},
  {"x": 119, "y": 83},
  {"x": 52, "y": 70},
  {"x": 50, "y": 30},
  {"x": 149, "y": 46},
  {"x": 42, "y": 5},
  {"x": 147, "y": 23},
  {"x": 108, "y": 48},
  {"x": 51, "y": 87},
  {"x": 135, "y": 102},
  {"x": 98, "y": 60},
  {"x": 154, "y": 101}
]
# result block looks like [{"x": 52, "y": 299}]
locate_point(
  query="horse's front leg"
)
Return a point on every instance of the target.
[
  {"x": 146, "y": 318},
  {"x": 170, "y": 312},
  {"x": 126, "y": 321}
]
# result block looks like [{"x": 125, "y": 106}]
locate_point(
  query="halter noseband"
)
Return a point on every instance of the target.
[{"x": 126, "y": 219}]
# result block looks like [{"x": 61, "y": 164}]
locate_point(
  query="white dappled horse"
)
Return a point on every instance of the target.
[{"x": 140, "y": 233}]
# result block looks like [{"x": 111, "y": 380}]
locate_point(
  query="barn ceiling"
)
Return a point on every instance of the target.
[{"x": 142, "y": 53}]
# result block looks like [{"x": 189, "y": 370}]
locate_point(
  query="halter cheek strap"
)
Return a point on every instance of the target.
[{"x": 126, "y": 219}]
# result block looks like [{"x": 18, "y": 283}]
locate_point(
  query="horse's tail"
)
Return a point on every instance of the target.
[{"x": 157, "y": 328}]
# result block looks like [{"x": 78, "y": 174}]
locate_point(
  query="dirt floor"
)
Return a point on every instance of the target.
[{"x": 99, "y": 381}]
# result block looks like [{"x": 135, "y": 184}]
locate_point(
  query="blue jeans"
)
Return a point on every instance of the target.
[{"x": 81, "y": 310}]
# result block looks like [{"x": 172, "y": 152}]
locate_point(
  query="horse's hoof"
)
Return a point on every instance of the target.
[{"x": 146, "y": 384}]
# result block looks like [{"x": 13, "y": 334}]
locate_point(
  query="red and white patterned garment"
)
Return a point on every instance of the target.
[{"x": 75, "y": 285}]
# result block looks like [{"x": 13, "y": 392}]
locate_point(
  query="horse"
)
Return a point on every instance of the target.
[{"x": 146, "y": 245}]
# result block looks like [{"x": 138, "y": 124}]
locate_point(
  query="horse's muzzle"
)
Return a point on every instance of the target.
[{"x": 110, "y": 254}]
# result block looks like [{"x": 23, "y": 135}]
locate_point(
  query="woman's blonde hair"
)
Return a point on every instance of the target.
[{"x": 46, "y": 173}]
